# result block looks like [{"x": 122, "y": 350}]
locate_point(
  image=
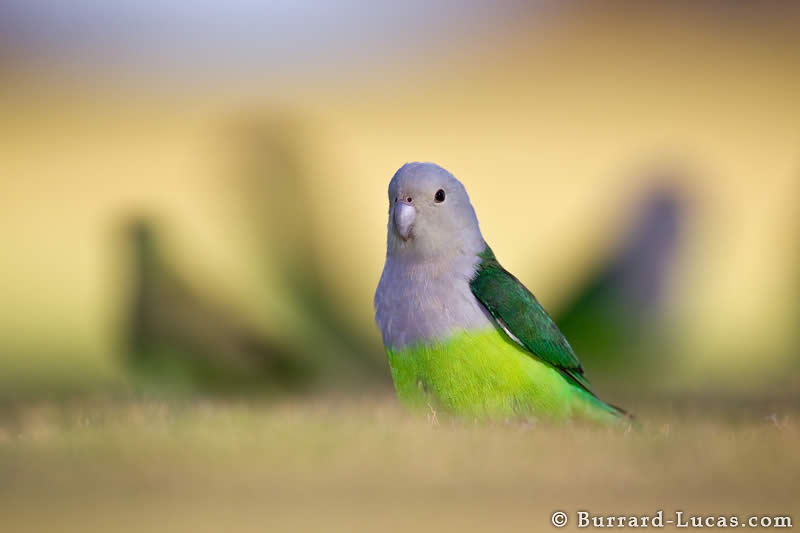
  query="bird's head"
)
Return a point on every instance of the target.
[{"x": 430, "y": 215}]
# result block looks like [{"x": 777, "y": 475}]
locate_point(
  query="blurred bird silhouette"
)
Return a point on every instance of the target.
[
  {"x": 173, "y": 331},
  {"x": 613, "y": 316},
  {"x": 176, "y": 333},
  {"x": 276, "y": 184}
]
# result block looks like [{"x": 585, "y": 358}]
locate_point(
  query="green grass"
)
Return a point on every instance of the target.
[{"x": 333, "y": 464}]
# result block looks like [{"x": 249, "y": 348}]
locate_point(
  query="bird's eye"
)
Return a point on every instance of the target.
[{"x": 439, "y": 196}]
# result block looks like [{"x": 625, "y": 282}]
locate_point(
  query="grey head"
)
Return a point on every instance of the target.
[
  {"x": 432, "y": 247},
  {"x": 430, "y": 215}
]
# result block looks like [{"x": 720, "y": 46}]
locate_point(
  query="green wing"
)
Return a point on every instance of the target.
[{"x": 521, "y": 316}]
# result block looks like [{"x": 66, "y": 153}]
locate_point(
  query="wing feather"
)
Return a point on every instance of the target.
[{"x": 522, "y": 317}]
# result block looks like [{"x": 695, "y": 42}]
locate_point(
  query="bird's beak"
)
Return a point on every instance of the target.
[{"x": 404, "y": 215}]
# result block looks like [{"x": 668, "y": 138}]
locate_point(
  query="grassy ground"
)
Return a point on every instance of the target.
[{"x": 343, "y": 465}]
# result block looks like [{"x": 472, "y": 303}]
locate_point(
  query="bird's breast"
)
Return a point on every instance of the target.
[{"x": 427, "y": 302}]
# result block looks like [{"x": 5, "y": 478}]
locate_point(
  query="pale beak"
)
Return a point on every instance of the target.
[{"x": 404, "y": 215}]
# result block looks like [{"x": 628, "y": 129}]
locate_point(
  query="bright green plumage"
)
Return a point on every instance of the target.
[{"x": 486, "y": 375}]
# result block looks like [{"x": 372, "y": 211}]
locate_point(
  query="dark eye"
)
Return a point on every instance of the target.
[{"x": 439, "y": 196}]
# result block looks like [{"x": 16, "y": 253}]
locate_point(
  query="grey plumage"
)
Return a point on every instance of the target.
[{"x": 422, "y": 298}]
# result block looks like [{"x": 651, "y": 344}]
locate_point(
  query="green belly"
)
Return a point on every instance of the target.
[{"x": 485, "y": 374}]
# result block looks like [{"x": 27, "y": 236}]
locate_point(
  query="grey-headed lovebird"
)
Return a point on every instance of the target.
[{"x": 462, "y": 334}]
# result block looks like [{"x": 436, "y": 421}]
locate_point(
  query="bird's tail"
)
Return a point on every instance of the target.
[
  {"x": 606, "y": 413},
  {"x": 621, "y": 416}
]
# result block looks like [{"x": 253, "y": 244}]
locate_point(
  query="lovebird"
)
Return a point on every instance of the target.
[
  {"x": 617, "y": 311},
  {"x": 463, "y": 336}
]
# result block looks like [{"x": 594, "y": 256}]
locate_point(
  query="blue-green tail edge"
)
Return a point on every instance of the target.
[{"x": 583, "y": 384}]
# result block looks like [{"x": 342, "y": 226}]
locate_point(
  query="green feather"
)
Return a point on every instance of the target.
[{"x": 516, "y": 309}]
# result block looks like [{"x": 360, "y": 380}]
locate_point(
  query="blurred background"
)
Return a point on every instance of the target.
[
  {"x": 193, "y": 194},
  {"x": 168, "y": 172}
]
